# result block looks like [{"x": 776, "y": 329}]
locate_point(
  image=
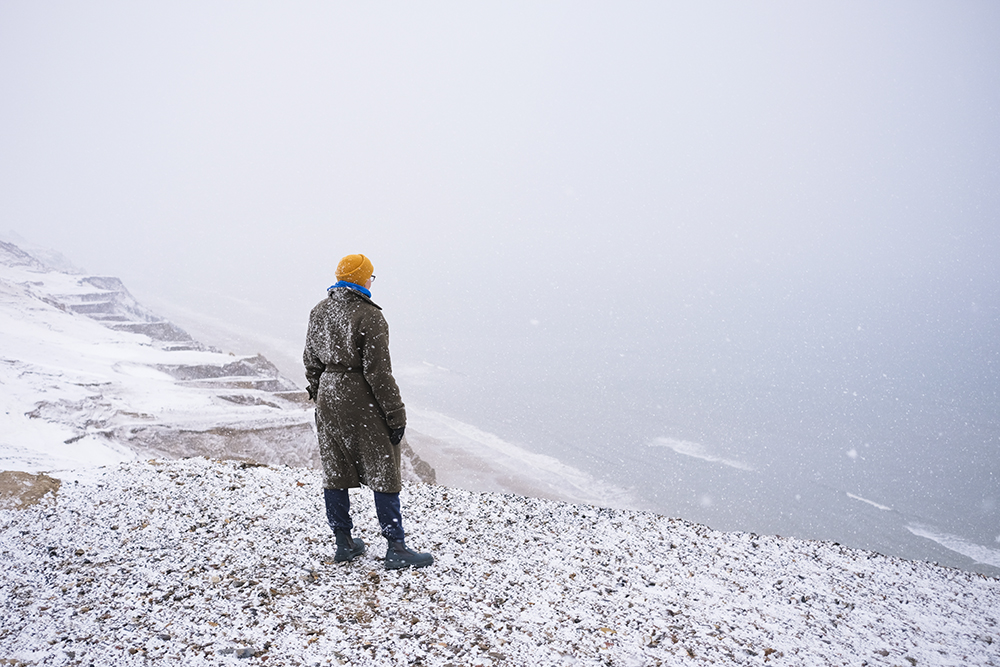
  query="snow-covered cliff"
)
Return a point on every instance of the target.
[{"x": 90, "y": 376}]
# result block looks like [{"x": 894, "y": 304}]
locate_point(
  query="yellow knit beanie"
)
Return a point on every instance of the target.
[{"x": 355, "y": 269}]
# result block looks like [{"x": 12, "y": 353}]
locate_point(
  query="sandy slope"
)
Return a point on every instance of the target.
[{"x": 199, "y": 562}]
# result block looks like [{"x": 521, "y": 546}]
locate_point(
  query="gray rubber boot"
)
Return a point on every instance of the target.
[
  {"x": 399, "y": 556},
  {"x": 348, "y": 548}
]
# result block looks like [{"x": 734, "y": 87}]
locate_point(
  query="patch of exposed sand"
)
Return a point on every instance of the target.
[{"x": 23, "y": 489}]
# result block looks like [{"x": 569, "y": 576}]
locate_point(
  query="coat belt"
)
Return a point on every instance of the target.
[{"x": 340, "y": 369}]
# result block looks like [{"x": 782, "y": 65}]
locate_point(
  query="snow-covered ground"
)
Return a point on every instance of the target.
[{"x": 208, "y": 562}]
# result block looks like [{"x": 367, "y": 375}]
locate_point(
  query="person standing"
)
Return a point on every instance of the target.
[{"x": 360, "y": 417}]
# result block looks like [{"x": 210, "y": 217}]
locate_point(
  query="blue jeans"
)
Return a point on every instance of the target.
[{"x": 390, "y": 518}]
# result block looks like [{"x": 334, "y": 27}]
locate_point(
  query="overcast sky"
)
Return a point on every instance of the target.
[{"x": 503, "y": 161}]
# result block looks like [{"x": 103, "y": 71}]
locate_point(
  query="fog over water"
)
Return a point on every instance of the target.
[{"x": 739, "y": 256}]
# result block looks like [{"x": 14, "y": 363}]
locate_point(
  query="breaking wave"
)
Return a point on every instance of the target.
[
  {"x": 977, "y": 552},
  {"x": 695, "y": 450}
]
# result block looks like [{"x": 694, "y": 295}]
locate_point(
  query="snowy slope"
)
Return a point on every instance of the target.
[
  {"x": 88, "y": 377},
  {"x": 199, "y": 562}
]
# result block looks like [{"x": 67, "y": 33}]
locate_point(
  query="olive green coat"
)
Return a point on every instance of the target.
[{"x": 357, "y": 399}]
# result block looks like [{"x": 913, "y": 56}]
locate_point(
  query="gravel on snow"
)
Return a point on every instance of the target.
[{"x": 222, "y": 562}]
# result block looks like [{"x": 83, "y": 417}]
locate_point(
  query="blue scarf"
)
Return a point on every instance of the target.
[{"x": 356, "y": 288}]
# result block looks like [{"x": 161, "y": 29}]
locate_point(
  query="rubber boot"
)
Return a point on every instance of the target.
[
  {"x": 399, "y": 556},
  {"x": 348, "y": 548}
]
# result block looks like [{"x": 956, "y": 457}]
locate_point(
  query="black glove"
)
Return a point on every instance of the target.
[
  {"x": 312, "y": 392},
  {"x": 396, "y": 436}
]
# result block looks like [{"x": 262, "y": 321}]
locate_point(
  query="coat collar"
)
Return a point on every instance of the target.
[
  {"x": 345, "y": 289},
  {"x": 353, "y": 286}
]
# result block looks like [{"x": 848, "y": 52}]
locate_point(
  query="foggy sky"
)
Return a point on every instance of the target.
[{"x": 704, "y": 185}]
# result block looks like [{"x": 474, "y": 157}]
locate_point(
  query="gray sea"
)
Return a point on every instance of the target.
[{"x": 805, "y": 411}]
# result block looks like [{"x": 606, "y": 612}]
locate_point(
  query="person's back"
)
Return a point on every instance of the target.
[
  {"x": 348, "y": 334},
  {"x": 336, "y": 323}
]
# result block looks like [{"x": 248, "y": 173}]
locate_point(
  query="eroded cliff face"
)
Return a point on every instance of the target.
[{"x": 90, "y": 376}]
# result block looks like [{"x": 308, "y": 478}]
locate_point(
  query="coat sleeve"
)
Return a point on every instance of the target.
[
  {"x": 377, "y": 369},
  {"x": 314, "y": 366}
]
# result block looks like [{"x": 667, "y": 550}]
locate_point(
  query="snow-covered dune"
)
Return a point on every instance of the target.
[
  {"x": 88, "y": 376},
  {"x": 201, "y": 562}
]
